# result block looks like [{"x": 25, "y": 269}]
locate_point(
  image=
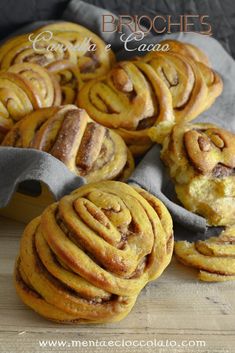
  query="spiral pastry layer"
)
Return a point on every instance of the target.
[
  {"x": 200, "y": 158},
  {"x": 18, "y": 97},
  {"x": 193, "y": 85},
  {"x": 68, "y": 78},
  {"x": 85, "y": 147},
  {"x": 132, "y": 99},
  {"x": 42, "y": 82},
  {"x": 214, "y": 257},
  {"x": 45, "y": 50},
  {"x": 93, "y": 60},
  {"x": 88, "y": 256}
]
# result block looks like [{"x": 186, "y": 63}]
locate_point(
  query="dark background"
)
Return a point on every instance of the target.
[{"x": 14, "y": 14}]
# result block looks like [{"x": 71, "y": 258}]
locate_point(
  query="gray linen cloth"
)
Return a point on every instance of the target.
[
  {"x": 150, "y": 173},
  {"x": 18, "y": 165}
]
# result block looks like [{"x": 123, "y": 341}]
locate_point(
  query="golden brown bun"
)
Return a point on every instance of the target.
[
  {"x": 20, "y": 49},
  {"x": 132, "y": 99},
  {"x": 65, "y": 35},
  {"x": 85, "y": 147},
  {"x": 17, "y": 98},
  {"x": 92, "y": 63},
  {"x": 24, "y": 88},
  {"x": 200, "y": 158},
  {"x": 214, "y": 257},
  {"x": 88, "y": 256},
  {"x": 193, "y": 85},
  {"x": 41, "y": 81}
]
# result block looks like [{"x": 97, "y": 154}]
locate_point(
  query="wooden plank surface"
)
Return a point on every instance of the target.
[{"x": 176, "y": 308}]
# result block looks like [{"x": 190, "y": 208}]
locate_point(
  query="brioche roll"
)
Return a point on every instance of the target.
[
  {"x": 45, "y": 50},
  {"x": 17, "y": 98},
  {"x": 85, "y": 147},
  {"x": 214, "y": 257},
  {"x": 200, "y": 158},
  {"x": 133, "y": 100},
  {"x": 187, "y": 50},
  {"x": 193, "y": 85},
  {"x": 87, "y": 257},
  {"x": 93, "y": 59},
  {"x": 42, "y": 83}
]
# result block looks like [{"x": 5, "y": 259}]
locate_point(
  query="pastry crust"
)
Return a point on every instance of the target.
[
  {"x": 90, "y": 63},
  {"x": 17, "y": 98},
  {"x": 214, "y": 257},
  {"x": 85, "y": 147},
  {"x": 68, "y": 77},
  {"x": 193, "y": 85},
  {"x": 133, "y": 100},
  {"x": 41, "y": 81},
  {"x": 200, "y": 158},
  {"x": 87, "y": 257}
]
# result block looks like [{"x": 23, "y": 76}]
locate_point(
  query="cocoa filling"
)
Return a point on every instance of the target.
[
  {"x": 222, "y": 171},
  {"x": 37, "y": 59},
  {"x": 146, "y": 123},
  {"x": 92, "y": 65},
  {"x": 90, "y": 146}
]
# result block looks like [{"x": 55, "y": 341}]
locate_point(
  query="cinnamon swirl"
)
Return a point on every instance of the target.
[
  {"x": 193, "y": 85},
  {"x": 17, "y": 98},
  {"x": 42, "y": 83},
  {"x": 214, "y": 257},
  {"x": 93, "y": 60},
  {"x": 87, "y": 257},
  {"x": 85, "y": 147},
  {"x": 133, "y": 100}
]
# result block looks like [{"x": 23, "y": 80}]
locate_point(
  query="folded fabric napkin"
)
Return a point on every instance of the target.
[{"x": 17, "y": 165}]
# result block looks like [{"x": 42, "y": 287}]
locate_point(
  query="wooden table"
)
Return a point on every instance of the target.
[{"x": 176, "y": 307}]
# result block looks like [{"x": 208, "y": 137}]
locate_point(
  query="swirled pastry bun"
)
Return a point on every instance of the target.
[
  {"x": 85, "y": 147},
  {"x": 143, "y": 98},
  {"x": 24, "y": 88},
  {"x": 41, "y": 81},
  {"x": 214, "y": 257},
  {"x": 59, "y": 41},
  {"x": 87, "y": 257},
  {"x": 201, "y": 161},
  {"x": 21, "y": 49},
  {"x": 133, "y": 100},
  {"x": 193, "y": 85},
  {"x": 92, "y": 59}
]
